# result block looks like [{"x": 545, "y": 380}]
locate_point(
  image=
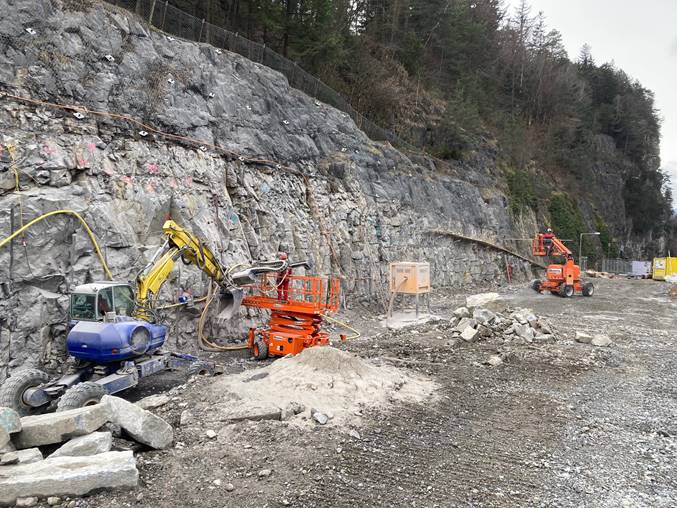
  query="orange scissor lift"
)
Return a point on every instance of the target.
[{"x": 295, "y": 315}]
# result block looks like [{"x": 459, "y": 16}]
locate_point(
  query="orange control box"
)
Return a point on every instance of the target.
[{"x": 410, "y": 277}]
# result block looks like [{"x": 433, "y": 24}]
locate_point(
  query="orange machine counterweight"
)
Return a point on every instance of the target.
[{"x": 295, "y": 314}]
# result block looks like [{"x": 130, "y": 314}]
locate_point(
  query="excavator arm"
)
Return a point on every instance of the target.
[{"x": 179, "y": 243}]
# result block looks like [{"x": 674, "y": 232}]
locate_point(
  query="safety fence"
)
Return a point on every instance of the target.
[
  {"x": 616, "y": 266},
  {"x": 167, "y": 18}
]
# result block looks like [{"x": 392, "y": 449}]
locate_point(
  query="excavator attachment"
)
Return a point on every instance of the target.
[{"x": 230, "y": 301}]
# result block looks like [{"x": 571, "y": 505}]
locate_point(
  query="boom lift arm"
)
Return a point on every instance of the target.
[{"x": 557, "y": 247}]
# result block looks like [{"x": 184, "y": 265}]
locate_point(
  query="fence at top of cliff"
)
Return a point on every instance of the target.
[{"x": 170, "y": 20}]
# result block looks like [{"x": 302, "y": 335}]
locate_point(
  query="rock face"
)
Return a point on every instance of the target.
[
  {"x": 142, "y": 425},
  {"x": 91, "y": 444},
  {"x": 58, "y": 427},
  {"x": 324, "y": 192},
  {"x": 72, "y": 476}
]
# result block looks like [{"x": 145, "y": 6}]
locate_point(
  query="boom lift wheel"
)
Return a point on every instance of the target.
[
  {"x": 81, "y": 395},
  {"x": 12, "y": 391},
  {"x": 536, "y": 286},
  {"x": 566, "y": 291},
  {"x": 588, "y": 289},
  {"x": 260, "y": 349}
]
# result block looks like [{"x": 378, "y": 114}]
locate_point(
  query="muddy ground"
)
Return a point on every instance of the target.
[{"x": 559, "y": 423}]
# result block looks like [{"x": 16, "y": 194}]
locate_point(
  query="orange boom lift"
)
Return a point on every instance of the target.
[
  {"x": 563, "y": 280},
  {"x": 296, "y": 313}
]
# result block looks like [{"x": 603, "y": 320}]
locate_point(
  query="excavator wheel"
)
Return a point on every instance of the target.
[
  {"x": 199, "y": 368},
  {"x": 12, "y": 391},
  {"x": 588, "y": 289},
  {"x": 536, "y": 286},
  {"x": 260, "y": 349},
  {"x": 566, "y": 291},
  {"x": 81, "y": 395}
]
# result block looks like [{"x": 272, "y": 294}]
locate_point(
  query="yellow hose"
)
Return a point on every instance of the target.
[
  {"x": 92, "y": 238},
  {"x": 344, "y": 325}
]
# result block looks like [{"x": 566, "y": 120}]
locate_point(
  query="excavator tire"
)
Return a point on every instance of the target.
[
  {"x": 588, "y": 289},
  {"x": 13, "y": 389},
  {"x": 260, "y": 349},
  {"x": 566, "y": 291},
  {"x": 81, "y": 395},
  {"x": 536, "y": 286},
  {"x": 199, "y": 368}
]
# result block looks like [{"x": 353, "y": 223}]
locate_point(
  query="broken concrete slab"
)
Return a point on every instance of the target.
[
  {"x": 583, "y": 338},
  {"x": 91, "y": 444},
  {"x": 469, "y": 334},
  {"x": 525, "y": 331},
  {"x": 142, "y": 425},
  {"x": 483, "y": 316},
  {"x": 600, "y": 340},
  {"x": 252, "y": 413},
  {"x": 10, "y": 420},
  {"x": 58, "y": 427},
  {"x": 462, "y": 312},
  {"x": 153, "y": 401},
  {"x": 26, "y": 456},
  {"x": 68, "y": 476},
  {"x": 465, "y": 323},
  {"x": 480, "y": 300}
]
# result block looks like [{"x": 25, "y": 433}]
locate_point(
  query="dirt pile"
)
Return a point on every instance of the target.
[{"x": 335, "y": 382}]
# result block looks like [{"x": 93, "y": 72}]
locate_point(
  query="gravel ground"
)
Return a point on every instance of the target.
[{"x": 556, "y": 424}]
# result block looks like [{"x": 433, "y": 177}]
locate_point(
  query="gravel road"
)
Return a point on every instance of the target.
[{"x": 556, "y": 424}]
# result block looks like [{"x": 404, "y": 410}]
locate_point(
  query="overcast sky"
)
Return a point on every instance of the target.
[{"x": 640, "y": 37}]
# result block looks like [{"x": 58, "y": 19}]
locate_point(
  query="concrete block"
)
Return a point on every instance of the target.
[
  {"x": 465, "y": 323},
  {"x": 68, "y": 476},
  {"x": 58, "y": 427},
  {"x": 153, "y": 401},
  {"x": 583, "y": 338},
  {"x": 142, "y": 425},
  {"x": 600, "y": 340},
  {"x": 483, "y": 316},
  {"x": 469, "y": 334},
  {"x": 91, "y": 444},
  {"x": 253, "y": 413}
]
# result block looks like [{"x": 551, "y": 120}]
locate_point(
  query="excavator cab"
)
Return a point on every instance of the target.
[{"x": 97, "y": 300}]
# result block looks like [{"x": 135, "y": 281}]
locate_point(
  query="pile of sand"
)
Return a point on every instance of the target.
[{"x": 334, "y": 382}]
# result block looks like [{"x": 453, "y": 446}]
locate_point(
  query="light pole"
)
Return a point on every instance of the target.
[{"x": 580, "y": 242}]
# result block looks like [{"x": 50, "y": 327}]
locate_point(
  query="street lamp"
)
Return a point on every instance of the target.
[{"x": 580, "y": 242}]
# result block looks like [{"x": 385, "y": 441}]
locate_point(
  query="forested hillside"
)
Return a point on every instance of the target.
[{"x": 454, "y": 76}]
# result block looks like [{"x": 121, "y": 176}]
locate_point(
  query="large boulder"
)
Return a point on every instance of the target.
[
  {"x": 68, "y": 476},
  {"x": 142, "y": 425},
  {"x": 58, "y": 427},
  {"x": 91, "y": 444},
  {"x": 481, "y": 300}
]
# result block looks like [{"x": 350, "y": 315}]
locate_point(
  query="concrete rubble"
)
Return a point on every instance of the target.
[
  {"x": 142, "y": 425},
  {"x": 21, "y": 457},
  {"x": 510, "y": 325},
  {"x": 73, "y": 476}
]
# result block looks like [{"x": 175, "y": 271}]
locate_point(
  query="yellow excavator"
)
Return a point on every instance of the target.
[{"x": 115, "y": 335}]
